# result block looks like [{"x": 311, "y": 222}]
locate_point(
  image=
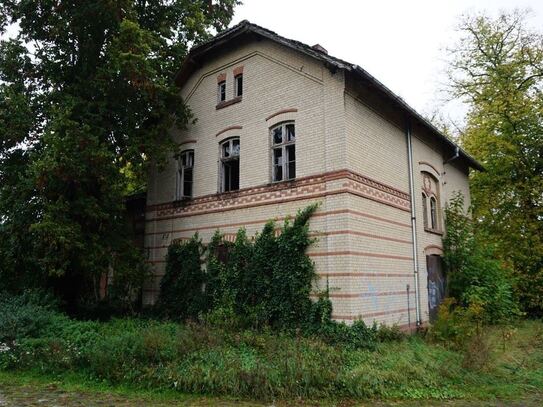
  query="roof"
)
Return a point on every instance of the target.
[{"x": 197, "y": 53}]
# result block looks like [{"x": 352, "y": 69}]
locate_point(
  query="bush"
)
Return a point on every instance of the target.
[
  {"x": 182, "y": 287},
  {"x": 474, "y": 275},
  {"x": 25, "y": 316}
]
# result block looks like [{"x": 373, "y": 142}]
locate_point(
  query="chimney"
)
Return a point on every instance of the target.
[{"x": 320, "y": 48}]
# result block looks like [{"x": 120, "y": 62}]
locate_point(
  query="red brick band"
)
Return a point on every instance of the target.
[
  {"x": 361, "y": 254},
  {"x": 372, "y": 314},
  {"x": 365, "y": 294},
  {"x": 221, "y": 77},
  {"x": 238, "y": 70}
]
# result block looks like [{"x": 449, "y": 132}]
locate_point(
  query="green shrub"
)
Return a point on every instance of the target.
[
  {"x": 182, "y": 287},
  {"x": 25, "y": 316},
  {"x": 474, "y": 275}
]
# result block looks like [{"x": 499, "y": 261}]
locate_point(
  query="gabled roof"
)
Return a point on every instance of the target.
[{"x": 198, "y": 53}]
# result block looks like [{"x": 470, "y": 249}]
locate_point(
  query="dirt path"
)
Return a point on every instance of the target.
[{"x": 19, "y": 394}]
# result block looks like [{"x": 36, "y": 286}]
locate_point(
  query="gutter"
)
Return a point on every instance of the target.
[
  {"x": 454, "y": 157},
  {"x": 413, "y": 224}
]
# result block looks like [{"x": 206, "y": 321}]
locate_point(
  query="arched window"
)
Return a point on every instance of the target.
[
  {"x": 433, "y": 213},
  {"x": 283, "y": 139},
  {"x": 430, "y": 192},
  {"x": 229, "y": 172},
  {"x": 185, "y": 168},
  {"x": 425, "y": 209}
]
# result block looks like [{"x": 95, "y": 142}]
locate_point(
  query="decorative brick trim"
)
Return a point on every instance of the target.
[
  {"x": 433, "y": 249},
  {"x": 278, "y": 232},
  {"x": 187, "y": 142},
  {"x": 226, "y": 103},
  {"x": 357, "y": 233},
  {"x": 221, "y": 77},
  {"x": 291, "y": 110},
  {"x": 228, "y": 128},
  {"x": 238, "y": 70},
  {"x": 310, "y": 187},
  {"x": 361, "y": 254},
  {"x": 278, "y": 219},
  {"x": 372, "y": 314},
  {"x": 354, "y": 274},
  {"x": 431, "y": 166}
]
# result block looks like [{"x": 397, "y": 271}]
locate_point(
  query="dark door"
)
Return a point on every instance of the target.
[{"x": 437, "y": 284}]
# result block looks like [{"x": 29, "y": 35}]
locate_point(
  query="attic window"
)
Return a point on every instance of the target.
[{"x": 221, "y": 91}]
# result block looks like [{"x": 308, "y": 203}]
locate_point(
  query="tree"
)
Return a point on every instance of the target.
[
  {"x": 497, "y": 68},
  {"x": 87, "y": 101}
]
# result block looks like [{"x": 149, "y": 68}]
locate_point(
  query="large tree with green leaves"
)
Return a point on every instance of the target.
[
  {"x": 87, "y": 100},
  {"x": 497, "y": 68}
]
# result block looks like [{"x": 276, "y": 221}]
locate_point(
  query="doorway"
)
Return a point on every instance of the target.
[{"x": 437, "y": 284}]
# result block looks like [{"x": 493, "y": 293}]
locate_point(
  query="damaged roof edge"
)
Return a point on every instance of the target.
[{"x": 191, "y": 62}]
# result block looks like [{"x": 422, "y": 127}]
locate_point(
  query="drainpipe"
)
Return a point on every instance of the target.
[{"x": 413, "y": 223}]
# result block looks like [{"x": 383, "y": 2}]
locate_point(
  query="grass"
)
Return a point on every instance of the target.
[{"x": 135, "y": 359}]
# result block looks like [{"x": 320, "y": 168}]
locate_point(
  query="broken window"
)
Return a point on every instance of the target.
[
  {"x": 283, "y": 152},
  {"x": 221, "y": 91},
  {"x": 185, "y": 168},
  {"x": 229, "y": 165}
]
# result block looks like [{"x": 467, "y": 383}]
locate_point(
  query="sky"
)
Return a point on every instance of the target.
[{"x": 400, "y": 42}]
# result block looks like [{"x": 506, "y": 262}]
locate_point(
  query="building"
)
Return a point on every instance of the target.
[{"x": 281, "y": 124}]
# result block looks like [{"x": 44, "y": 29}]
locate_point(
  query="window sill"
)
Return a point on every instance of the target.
[
  {"x": 284, "y": 181},
  {"x": 434, "y": 231},
  {"x": 226, "y": 103},
  {"x": 182, "y": 201}
]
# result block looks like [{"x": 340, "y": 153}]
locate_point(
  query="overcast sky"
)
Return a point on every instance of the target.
[{"x": 400, "y": 42}]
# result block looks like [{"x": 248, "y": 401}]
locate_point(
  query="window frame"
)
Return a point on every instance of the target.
[
  {"x": 237, "y": 87},
  {"x": 221, "y": 91},
  {"x": 229, "y": 159},
  {"x": 425, "y": 209},
  {"x": 434, "y": 221},
  {"x": 181, "y": 174},
  {"x": 284, "y": 146}
]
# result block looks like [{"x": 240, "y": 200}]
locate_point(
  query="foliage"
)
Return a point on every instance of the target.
[
  {"x": 182, "y": 287},
  {"x": 266, "y": 364},
  {"x": 475, "y": 277},
  {"x": 87, "y": 101},
  {"x": 497, "y": 68}
]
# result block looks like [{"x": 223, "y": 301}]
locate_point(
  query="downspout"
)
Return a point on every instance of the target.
[{"x": 413, "y": 223}]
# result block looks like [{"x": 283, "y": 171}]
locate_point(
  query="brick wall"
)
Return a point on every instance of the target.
[{"x": 349, "y": 158}]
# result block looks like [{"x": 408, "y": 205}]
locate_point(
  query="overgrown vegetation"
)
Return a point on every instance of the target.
[
  {"x": 87, "y": 102},
  {"x": 475, "y": 277},
  {"x": 259, "y": 283},
  {"x": 496, "y": 68},
  {"x": 205, "y": 359}
]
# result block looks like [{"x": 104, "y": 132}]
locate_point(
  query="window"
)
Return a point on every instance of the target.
[
  {"x": 433, "y": 213},
  {"x": 229, "y": 165},
  {"x": 238, "y": 85},
  {"x": 185, "y": 166},
  {"x": 283, "y": 138},
  {"x": 425, "y": 209},
  {"x": 221, "y": 91},
  {"x": 430, "y": 202}
]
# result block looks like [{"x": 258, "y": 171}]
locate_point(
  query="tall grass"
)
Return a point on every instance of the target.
[{"x": 200, "y": 358}]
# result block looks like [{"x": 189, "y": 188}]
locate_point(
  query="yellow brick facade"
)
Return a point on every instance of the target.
[{"x": 349, "y": 157}]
